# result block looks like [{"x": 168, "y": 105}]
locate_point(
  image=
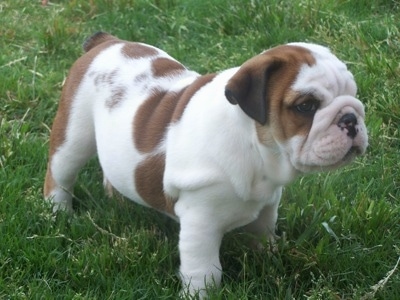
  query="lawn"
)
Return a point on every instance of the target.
[{"x": 340, "y": 230}]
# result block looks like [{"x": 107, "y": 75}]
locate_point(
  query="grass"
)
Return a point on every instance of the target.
[{"x": 340, "y": 230}]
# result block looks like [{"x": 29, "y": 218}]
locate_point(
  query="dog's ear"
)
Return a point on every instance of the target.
[{"x": 249, "y": 86}]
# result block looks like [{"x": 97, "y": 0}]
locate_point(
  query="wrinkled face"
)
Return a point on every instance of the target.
[
  {"x": 302, "y": 98},
  {"x": 318, "y": 122}
]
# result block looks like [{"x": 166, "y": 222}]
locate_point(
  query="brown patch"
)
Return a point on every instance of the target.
[
  {"x": 285, "y": 123},
  {"x": 151, "y": 121},
  {"x": 262, "y": 81},
  {"x": 117, "y": 95},
  {"x": 141, "y": 78},
  {"x": 164, "y": 67},
  {"x": 149, "y": 183},
  {"x": 110, "y": 79},
  {"x": 49, "y": 184},
  {"x": 262, "y": 88},
  {"x": 189, "y": 93},
  {"x": 78, "y": 70},
  {"x": 60, "y": 124},
  {"x": 137, "y": 50},
  {"x": 159, "y": 110},
  {"x": 105, "y": 78},
  {"x": 299, "y": 124}
]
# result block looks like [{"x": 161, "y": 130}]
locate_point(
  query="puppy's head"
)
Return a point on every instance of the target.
[{"x": 302, "y": 98}]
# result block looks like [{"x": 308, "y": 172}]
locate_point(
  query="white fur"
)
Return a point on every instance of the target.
[{"x": 216, "y": 167}]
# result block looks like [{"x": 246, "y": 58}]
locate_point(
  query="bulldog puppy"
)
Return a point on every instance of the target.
[{"x": 212, "y": 151}]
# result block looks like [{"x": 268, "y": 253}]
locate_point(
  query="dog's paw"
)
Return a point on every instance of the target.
[
  {"x": 108, "y": 188},
  {"x": 186, "y": 294},
  {"x": 63, "y": 206},
  {"x": 267, "y": 244}
]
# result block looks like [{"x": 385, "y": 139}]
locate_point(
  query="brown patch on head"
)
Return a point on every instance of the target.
[
  {"x": 149, "y": 183},
  {"x": 159, "y": 111},
  {"x": 164, "y": 67},
  {"x": 285, "y": 121},
  {"x": 262, "y": 79},
  {"x": 262, "y": 89},
  {"x": 137, "y": 50},
  {"x": 293, "y": 122}
]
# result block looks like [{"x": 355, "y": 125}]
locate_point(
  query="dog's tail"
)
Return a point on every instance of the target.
[{"x": 97, "y": 39}]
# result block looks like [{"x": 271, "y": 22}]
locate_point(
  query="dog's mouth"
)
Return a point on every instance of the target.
[{"x": 351, "y": 154}]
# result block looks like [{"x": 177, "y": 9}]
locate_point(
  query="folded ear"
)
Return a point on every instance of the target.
[{"x": 248, "y": 87}]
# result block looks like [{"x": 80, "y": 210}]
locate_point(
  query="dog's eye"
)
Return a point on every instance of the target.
[{"x": 307, "y": 107}]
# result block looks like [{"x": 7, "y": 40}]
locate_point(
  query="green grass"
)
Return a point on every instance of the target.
[{"x": 340, "y": 230}]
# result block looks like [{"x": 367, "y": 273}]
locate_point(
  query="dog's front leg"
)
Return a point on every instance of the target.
[{"x": 199, "y": 243}]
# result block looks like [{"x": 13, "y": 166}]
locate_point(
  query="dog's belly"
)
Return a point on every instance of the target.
[
  {"x": 116, "y": 152},
  {"x": 221, "y": 206}
]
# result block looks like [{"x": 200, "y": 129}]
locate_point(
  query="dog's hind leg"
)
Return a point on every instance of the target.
[{"x": 72, "y": 144}]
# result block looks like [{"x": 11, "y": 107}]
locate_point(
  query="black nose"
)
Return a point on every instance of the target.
[{"x": 349, "y": 122}]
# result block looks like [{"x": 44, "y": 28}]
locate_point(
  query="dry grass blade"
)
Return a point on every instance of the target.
[{"x": 381, "y": 284}]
